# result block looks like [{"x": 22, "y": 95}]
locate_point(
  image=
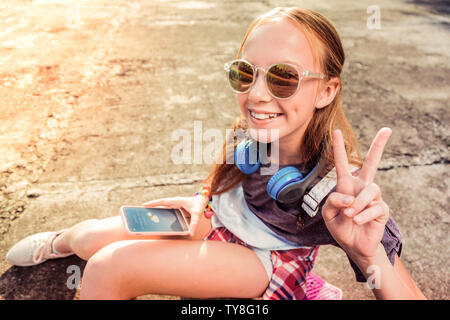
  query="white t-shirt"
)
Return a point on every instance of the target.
[{"x": 231, "y": 211}]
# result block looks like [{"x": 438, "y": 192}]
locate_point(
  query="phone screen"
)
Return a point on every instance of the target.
[{"x": 154, "y": 220}]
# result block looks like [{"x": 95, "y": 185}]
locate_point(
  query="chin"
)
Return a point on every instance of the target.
[{"x": 264, "y": 135}]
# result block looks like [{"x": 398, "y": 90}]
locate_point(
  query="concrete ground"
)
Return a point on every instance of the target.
[{"x": 91, "y": 92}]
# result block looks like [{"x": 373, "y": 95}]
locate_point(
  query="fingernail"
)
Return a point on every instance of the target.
[
  {"x": 347, "y": 200},
  {"x": 349, "y": 211}
]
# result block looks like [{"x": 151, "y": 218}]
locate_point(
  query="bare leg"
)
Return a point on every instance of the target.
[
  {"x": 87, "y": 237},
  {"x": 197, "y": 269}
]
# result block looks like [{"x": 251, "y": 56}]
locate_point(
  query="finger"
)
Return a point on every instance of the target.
[
  {"x": 340, "y": 155},
  {"x": 370, "y": 193},
  {"x": 190, "y": 219},
  {"x": 373, "y": 158},
  {"x": 335, "y": 202},
  {"x": 165, "y": 202},
  {"x": 195, "y": 219},
  {"x": 379, "y": 211}
]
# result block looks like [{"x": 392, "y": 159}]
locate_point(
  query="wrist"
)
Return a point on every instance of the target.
[
  {"x": 205, "y": 190},
  {"x": 364, "y": 262},
  {"x": 205, "y": 195}
]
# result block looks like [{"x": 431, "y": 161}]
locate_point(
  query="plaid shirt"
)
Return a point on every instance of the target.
[{"x": 290, "y": 269}]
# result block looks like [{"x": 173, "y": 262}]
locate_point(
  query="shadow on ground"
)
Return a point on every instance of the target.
[
  {"x": 436, "y": 6},
  {"x": 47, "y": 281}
]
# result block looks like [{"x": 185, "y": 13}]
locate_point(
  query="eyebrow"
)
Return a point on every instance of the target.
[
  {"x": 281, "y": 61},
  {"x": 292, "y": 62}
]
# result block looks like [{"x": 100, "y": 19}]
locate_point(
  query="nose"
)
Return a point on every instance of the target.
[{"x": 258, "y": 92}]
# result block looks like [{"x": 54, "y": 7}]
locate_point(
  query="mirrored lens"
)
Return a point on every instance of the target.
[
  {"x": 282, "y": 80},
  {"x": 240, "y": 76}
]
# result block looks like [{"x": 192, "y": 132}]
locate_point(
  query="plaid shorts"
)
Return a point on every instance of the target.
[{"x": 290, "y": 267}]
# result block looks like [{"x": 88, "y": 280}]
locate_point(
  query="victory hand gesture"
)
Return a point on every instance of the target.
[{"x": 356, "y": 214}]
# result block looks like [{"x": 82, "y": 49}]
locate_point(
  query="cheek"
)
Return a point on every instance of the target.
[
  {"x": 297, "y": 114},
  {"x": 292, "y": 110},
  {"x": 308, "y": 90},
  {"x": 300, "y": 112},
  {"x": 302, "y": 105},
  {"x": 241, "y": 99}
]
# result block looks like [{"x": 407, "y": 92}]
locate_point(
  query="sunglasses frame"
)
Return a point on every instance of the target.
[{"x": 302, "y": 74}]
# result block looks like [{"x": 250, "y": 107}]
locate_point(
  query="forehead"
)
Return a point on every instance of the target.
[{"x": 278, "y": 41}]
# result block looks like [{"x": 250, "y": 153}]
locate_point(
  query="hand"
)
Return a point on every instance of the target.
[
  {"x": 192, "y": 207},
  {"x": 356, "y": 214}
]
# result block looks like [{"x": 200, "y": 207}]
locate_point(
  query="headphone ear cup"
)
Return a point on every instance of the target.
[
  {"x": 242, "y": 157},
  {"x": 284, "y": 185}
]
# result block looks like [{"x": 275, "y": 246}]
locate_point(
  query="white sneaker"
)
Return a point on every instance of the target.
[{"x": 35, "y": 249}]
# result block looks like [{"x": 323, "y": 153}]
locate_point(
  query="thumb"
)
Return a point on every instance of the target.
[{"x": 195, "y": 218}]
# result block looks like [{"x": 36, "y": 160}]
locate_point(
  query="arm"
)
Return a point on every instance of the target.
[
  {"x": 394, "y": 281},
  {"x": 356, "y": 216}
]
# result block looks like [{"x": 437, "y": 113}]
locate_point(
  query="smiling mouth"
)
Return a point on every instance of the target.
[{"x": 263, "y": 116}]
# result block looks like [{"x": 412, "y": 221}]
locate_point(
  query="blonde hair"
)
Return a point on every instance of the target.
[{"x": 317, "y": 141}]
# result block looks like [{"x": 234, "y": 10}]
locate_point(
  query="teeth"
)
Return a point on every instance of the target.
[{"x": 262, "y": 116}]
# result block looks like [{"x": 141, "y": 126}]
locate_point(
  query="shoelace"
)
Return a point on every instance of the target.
[{"x": 44, "y": 249}]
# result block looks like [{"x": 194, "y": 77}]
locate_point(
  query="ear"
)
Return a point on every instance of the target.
[{"x": 327, "y": 92}]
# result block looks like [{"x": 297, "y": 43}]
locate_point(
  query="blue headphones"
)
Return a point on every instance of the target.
[{"x": 286, "y": 185}]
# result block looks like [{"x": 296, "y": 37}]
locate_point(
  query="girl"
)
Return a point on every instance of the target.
[{"x": 287, "y": 79}]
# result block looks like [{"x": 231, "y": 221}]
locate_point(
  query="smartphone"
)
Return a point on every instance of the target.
[{"x": 141, "y": 220}]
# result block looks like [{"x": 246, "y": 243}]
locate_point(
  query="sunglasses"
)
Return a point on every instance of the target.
[{"x": 282, "y": 79}]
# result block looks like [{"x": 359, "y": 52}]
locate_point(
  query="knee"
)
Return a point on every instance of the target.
[
  {"x": 100, "y": 277},
  {"x": 85, "y": 240}
]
